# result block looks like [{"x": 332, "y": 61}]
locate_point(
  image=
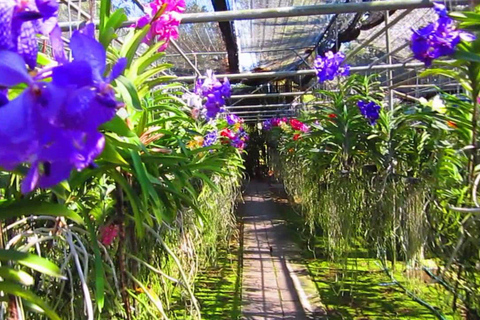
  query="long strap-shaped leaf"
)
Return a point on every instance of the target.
[
  {"x": 19, "y": 291},
  {"x": 30, "y": 207},
  {"x": 32, "y": 261}
]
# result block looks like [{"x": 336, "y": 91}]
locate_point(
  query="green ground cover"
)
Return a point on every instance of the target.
[
  {"x": 358, "y": 288},
  {"x": 218, "y": 287}
]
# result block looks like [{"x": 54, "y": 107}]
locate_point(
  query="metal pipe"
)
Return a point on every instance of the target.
[
  {"x": 285, "y": 74},
  {"x": 300, "y": 93},
  {"x": 266, "y": 112},
  {"x": 268, "y": 95},
  {"x": 389, "y": 60},
  {"x": 297, "y": 11},
  {"x": 400, "y": 48},
  {"x": 280, "y": 105},
  {"x": 180, "y": 51},
  {"x": 374, "y": 36}
]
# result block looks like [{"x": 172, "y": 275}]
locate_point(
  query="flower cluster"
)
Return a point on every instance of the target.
[
  {"x": 20, "y": 23},
  {"x": 295, "y": 124},
  {"x": 196, "y": 142},
  {"x": 437, "y": 39},
  {"x": 236, "y": 139},
  {"x": 214, "y": 93},
  {"x": 274, "y": 122},
  {"x": 236, "y": 134},
  {"x": 164, "y": 17},
  {"x": 330, "y": 66},
  {"x": 108, "y": 234},
  {"x": 229, "y": 132},
  {"x": 210, "y": 138},
  {"x": 53, "y": 125},
  {"x": 298, "y": 125},
  {"x": 370, "y": 110}
]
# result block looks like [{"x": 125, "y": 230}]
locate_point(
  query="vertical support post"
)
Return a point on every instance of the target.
[
  {"x": 389, "y": 61},
  {"x": 417, "y": 81}
]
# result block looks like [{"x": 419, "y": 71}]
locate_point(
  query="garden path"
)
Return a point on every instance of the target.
[{"x": 275, "y": 285}]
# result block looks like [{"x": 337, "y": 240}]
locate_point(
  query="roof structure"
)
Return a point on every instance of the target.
[{"x": 267, "y": 47}]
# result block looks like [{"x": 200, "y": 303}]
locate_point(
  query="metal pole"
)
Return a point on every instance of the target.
[
  {"x": 400, "y": 48},
  {"x": 180, "y": 51},
  {"x": 269, "y": 95},
  {"x": 285, "y": 74},
  {"x": 281, "y": 105},
  {"x": 389, "y": 61},
  {"x": 300, "y": 93},
  {"x": 297, "y": 11},
  {"x": 377, "y": 34},
  {"x": 265, "y": 112}
]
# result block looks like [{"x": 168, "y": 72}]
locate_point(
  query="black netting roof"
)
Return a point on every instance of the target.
[
  {"x": 273, "y": 44},
  {"x": 283, "y": 43}
]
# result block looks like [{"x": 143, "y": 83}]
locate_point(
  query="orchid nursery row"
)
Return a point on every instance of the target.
[{"x": 397, "y": 184}]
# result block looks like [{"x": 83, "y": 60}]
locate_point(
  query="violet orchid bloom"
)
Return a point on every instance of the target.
[
  {"x": 53, "y": 125},
  {"x": 438, "y": 38},
  {"x": 88, "y": 109},
  {"x": 330, "y": 66},
  {"x": 22, "y": 20},
  {"x": 267, "y": 124},
  {"x": 214, "y": 92},
  {"x": 232, "y": 119},
  {"x": 237, "y": 142},
  {"x": 242, "y": 134},
  {"x": 210, "y": 138},
  {"x": 370, "y": 110}
]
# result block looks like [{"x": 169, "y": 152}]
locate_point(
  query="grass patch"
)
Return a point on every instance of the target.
[
  {"x": 218, "y": 287},
  {"x": 358, "y": 288}
]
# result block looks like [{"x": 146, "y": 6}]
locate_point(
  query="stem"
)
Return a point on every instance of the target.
[
  {"x": 474, "y": 159},
  {"x": 121, "y": 249}
]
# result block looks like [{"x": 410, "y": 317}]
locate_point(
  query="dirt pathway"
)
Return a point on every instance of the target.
[{"x": 275, "y": 285}]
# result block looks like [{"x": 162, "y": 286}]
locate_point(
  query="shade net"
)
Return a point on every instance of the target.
[{"x": 284, "y": 43}]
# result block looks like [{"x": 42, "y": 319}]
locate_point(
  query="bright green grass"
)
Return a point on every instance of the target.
[
  {"x": 218, "y": 288},
  {"x": 364, "y": 291},
  {"x": 358, "y": 288}
]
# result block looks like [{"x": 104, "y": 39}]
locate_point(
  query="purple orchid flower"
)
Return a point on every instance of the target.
[
  {"x": 214, "y": 92},
  {"x": 232, "y": 119},
  {"x": 370, "y": 110},
  {"x": 210, "y": 138},
  {"x": 267, "y": 125},
  {"x": 22, "y": 20},
  {"x": 438, "y": 38},
  {"x": 330, "y": 66},
  {"x": 54, "y": 125},
  {"x": 238, "y": 143}
]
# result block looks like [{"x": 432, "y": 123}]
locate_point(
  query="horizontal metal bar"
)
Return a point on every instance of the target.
[
  {"x": 280, "y": 105},
  {"x": 374, "y": 36},
  {"x": 284, "y": 74},
  {"x": 200, "y": 53},
  {"x": 399, "y": 48},
  {"x": 269, "y": 95},
  {"x": 300, "y": 93},
  {"x": 265, "y": 111},
  {"x": 428, "y": 85},
  {"x": 297, "y": 11}
]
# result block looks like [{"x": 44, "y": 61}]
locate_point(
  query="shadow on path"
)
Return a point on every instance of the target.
[{"x": 271, "y": 288}]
